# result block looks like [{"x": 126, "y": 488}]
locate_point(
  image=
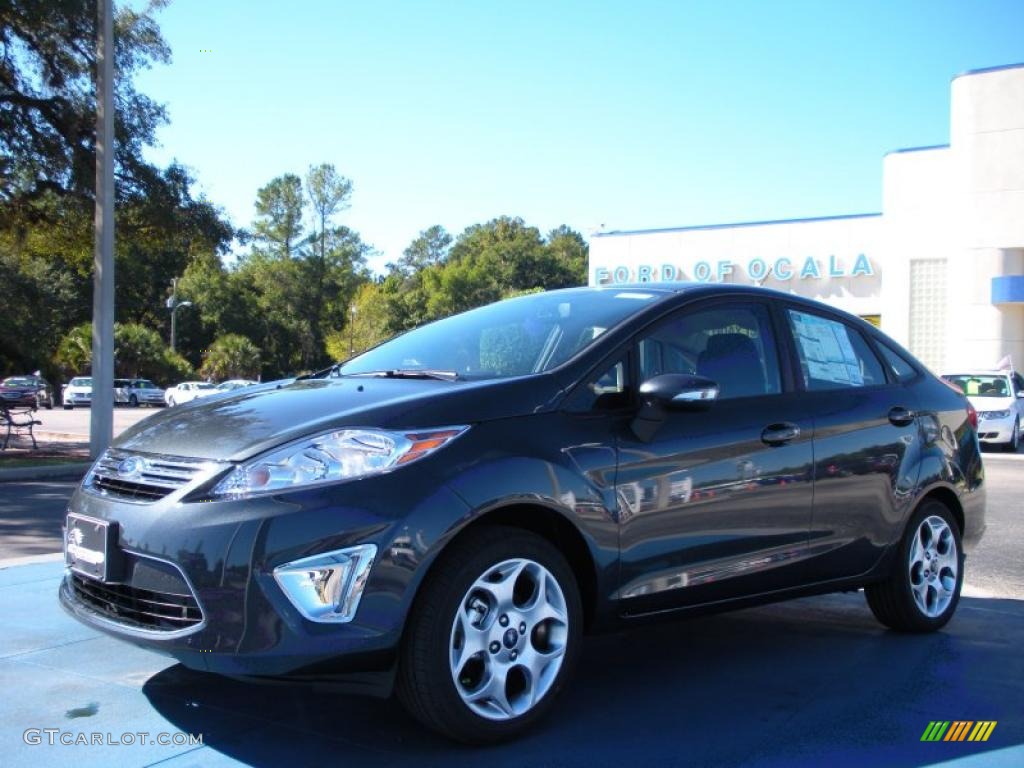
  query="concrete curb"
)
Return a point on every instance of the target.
[
  {"x": 61, "y": 437},
  {"x": 69, "y": 471},
  {"x": 1002, "y": 456}
]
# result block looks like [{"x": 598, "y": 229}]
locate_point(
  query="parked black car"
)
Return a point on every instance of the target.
[{"x": 449, "y": 513}]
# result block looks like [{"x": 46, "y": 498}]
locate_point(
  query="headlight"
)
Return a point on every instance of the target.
[
  {"x": 995, "y": 414},
  {"x": 341, "y": 454}
]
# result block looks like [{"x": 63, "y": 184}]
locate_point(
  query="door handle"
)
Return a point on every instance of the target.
[
  {"x": 900, "y": 416},
  {"x": 779, "y": 434}
]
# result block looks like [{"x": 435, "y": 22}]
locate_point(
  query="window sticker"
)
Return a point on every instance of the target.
[{"x": 825, "y": 347}]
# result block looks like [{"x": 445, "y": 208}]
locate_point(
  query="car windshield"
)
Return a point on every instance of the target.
[
  {"x": 145, "y": 384},
  {"x": 980, "y": 385},
  {"x": 205, "y": 386},
  {"x": 516, "y": 337},
  {"x": 19, "y": 381},
  {"x": 121, "y": 382},
  {"x": 80, "y": 381}
]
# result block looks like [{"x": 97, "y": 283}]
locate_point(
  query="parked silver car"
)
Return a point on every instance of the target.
[{"x": 136, "y": 392}]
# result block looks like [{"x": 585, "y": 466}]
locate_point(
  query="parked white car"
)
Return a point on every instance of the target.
[
  {"x": 998, "y": 397},
  {"x": 78, "y": 392},
  {"x": 188, "y": 391}
]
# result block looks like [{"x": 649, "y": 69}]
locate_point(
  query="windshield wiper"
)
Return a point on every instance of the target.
[{"x": 411, "y": 373}]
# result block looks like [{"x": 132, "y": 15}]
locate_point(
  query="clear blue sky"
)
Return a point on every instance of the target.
[{"x": 628, "y": 115}]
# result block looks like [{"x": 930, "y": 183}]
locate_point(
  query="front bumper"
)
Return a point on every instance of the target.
[
  {"x": 227, "y": 551},
  {"x": 995, "y": 430}
]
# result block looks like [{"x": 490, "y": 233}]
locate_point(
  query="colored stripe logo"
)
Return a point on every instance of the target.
[{"x": 959, "y": 730}]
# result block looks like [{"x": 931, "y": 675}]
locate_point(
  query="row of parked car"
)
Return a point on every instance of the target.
[{"x": 33, "y": 391}]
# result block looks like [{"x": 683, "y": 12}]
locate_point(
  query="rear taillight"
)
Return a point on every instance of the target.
[{"x": 972, "y": 415}]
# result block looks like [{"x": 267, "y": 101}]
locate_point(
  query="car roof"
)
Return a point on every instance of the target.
[{"x": 976, "y": 372}]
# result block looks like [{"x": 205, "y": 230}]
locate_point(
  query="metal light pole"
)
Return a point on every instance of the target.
[
  {"x": 173, "y": 304},
  {"x": 101, "y": 417},
  {"x": 351, "y": 330}
]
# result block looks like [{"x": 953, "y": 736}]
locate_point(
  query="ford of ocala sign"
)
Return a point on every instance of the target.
[{"x": 757, "y": 270}]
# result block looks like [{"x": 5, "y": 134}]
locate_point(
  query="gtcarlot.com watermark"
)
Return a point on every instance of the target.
[{"x": 55, "y": 736}]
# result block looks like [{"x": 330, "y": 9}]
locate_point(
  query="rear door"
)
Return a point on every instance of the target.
[
  {"x": 866, "y": 442},
  {"x": 717, "y": 505}
]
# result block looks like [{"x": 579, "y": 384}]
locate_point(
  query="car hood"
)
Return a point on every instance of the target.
[
  {"x": 237, "y": 425},
  {"x": 991, "y": 403},
  {"x": 17, "y": 390}
]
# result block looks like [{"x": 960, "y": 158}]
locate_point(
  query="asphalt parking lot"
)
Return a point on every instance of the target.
[
  {"x": 75, "y": 423},
  {"x": 810, "y": 682}
]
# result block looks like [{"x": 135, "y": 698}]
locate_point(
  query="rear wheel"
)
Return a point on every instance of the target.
[
  {"x": 492, "y": 638},
  {"x": 923, "y": 590},
  {"x": 68, "y": 406}
]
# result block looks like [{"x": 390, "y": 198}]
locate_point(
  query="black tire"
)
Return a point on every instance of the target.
[
  {"x": 1014, "y": 442},
  {"x": 425, "y": 685},
  {"x": 68, "y": 407},
  {"x": 49, "y": 404},
  {"x": 133, "y": 401},
  {"x": 892, "y": 600}
]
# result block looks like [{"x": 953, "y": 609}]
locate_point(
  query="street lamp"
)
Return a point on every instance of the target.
[{"x": 174, "y": 305}]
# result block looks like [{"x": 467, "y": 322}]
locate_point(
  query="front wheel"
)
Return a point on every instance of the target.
[
  {"x": 492, "y": 638},
  {"x": 1014, "y": 443},
  {"x": 133, "y": 401},
  {"x": 68, "y": 407},
  {"x": 923, "y": 590}
]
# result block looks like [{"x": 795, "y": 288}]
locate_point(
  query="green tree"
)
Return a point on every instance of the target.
[
  {"x": 48, "y": 102},
  {"x": 430, "y": 247},
  {"x": 329, "y": 192},
  {"x": 138, "y": 351},
  {"x": 278, "y": 225},
  {"x": 367, "y": 327},
  {"x": 231, "y": 356},
  {"x": 74, "y": 353}
]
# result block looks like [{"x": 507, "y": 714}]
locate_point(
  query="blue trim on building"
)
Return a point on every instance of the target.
[
  {"x": 1008, "y": 289},
  {"x": 916, "y": 149},
  {"x": 984, "y": 70},
  {"x": 735, "y": 225}
]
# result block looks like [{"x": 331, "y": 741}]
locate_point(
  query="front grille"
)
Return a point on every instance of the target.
[
  {"x": 138, "y": 608},
  {"x": 143, "y": 478}
]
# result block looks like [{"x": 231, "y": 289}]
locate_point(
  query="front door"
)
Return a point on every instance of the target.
[{"x": 718, "y": 503}]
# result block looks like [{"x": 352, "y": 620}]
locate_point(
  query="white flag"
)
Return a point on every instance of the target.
[{"x": 1006, "y": 364}]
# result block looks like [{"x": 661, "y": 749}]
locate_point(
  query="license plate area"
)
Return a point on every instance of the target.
[{"x": 90, "y": 547}]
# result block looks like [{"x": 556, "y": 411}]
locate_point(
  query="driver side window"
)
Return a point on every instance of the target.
[{"x": 731, "y": 344}]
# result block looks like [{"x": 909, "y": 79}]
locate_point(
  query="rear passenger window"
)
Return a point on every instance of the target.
[
  {"x": 898, "y": 364},
  {"x": 833, "y": 355}
]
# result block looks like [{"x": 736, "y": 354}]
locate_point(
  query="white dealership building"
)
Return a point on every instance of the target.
[{"x": 941, "y": 268}]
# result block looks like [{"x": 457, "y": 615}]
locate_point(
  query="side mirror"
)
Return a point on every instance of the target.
[{"x": 670, "y": 392}]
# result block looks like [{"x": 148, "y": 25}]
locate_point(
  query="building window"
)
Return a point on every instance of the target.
[{"x": 928, "y": 312}]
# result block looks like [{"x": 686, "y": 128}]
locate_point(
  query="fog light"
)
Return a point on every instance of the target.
[{"x": 327, "y": 587}]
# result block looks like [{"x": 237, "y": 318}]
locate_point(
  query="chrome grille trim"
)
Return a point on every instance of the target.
[{"x": 155, "y": 476}]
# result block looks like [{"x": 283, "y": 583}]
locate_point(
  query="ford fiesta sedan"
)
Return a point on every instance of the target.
[{"x": 447, "y": 515}]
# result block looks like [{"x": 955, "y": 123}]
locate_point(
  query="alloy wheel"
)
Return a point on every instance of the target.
[
  {"x": 933, "y": 566},
  {"x": 508, "y": 639}
]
